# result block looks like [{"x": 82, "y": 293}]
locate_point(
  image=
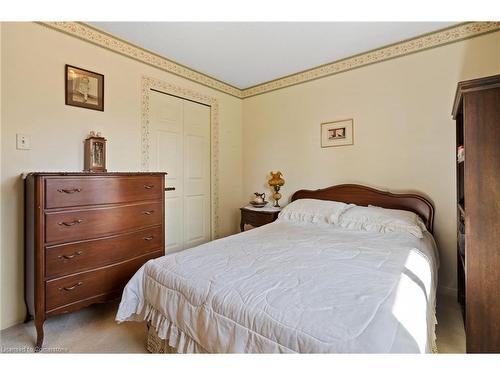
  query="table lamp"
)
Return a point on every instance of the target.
[{"x": 276, "y": 182}]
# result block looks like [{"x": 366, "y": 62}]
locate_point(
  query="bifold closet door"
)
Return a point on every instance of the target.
[
  {"x": 196, "y": 174},
  {"x": 180, "y": 146}
]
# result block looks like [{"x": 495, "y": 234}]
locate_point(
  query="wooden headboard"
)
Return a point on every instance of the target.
[{"x": 364, "y": 196}]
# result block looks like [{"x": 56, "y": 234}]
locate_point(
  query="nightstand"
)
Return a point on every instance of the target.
[{"x": 258, "y": 216}]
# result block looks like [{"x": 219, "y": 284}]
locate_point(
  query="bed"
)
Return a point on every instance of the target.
[{"x": 297, "y": 286}]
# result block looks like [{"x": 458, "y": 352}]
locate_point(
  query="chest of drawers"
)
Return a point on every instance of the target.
[{"x": 86, "y": 234}]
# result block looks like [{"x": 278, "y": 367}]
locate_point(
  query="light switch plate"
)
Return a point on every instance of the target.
[{"x": 23, "y": 142}]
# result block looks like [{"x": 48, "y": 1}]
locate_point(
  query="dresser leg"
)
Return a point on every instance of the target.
[
  {"x": 242, "y": 226},
  {"x": 39, "y": 334}
]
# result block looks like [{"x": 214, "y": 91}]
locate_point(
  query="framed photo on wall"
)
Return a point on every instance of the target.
[
  {"x": 337, "y": 133},
  {"x": 84, "y": 88}
]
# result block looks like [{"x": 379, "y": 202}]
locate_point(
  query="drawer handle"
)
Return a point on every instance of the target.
[
  {"x": 150, "y": 212},
  {"x": 70, "y": 256},
  {"x": 70, "y": 288},
  {"x": 70, "y": 223},
  {"x": 170, "y": 188},
  {"x": 148, "y": 186},
  {"x": 149, "y": 238},
  {"x": 69, "y": 191}
]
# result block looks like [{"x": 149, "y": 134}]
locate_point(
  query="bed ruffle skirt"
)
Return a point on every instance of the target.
[
  {"x": 180, "y": 344},
  {"x": 434, "y": 348},
  {"x": 165, "y": 338},
  {"x": 163, "y": 335}
]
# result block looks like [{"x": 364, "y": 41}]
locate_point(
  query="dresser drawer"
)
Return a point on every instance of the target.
[
  {"x": 76, "y": 257},
  {"x": 74, "y": 288},
  {"x": 256, "y": 218},
  {"x": 74, "y": 191},
  {"x": 91, "y": 223}
]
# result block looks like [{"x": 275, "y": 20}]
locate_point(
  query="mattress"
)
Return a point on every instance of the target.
[{"x": 291, "y": 287}]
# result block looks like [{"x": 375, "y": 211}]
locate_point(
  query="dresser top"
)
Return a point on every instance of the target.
[{"x": 24, "y": 175}]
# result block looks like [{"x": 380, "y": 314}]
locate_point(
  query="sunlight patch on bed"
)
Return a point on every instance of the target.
[{"x": 410, "y": 303}]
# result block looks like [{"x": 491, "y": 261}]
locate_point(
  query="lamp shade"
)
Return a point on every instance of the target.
[{"x": 276, "y": 179}]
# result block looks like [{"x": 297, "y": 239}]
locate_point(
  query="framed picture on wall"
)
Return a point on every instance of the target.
[
  {"x": 84, "y": 88},
  {"x": 337, "y": 133}
]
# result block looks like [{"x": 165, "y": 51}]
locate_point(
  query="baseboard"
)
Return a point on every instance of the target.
[
  {"x": 11, "y": 323},
  {"x": 447, "y": 291}
]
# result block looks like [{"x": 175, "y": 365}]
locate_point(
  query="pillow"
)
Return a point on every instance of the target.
[
  {"x": 384, "y": 220},
  {"x": 313, "y": 211}
]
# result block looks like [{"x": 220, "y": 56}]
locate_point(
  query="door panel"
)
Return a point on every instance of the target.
[
  {"x": 195, "y": 231},
  {"x": 168, "y": 147},
  {"x": 180, "y": 146},
  {"x": 173, "y": 230},
  {"x": 196, "y": 150}
]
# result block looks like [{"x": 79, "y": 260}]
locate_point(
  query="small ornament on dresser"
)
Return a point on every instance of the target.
[
  {"x": 259, "y": 200},
  {"x": 95, "y": 153},
  {"x": 276, "y": 182}
]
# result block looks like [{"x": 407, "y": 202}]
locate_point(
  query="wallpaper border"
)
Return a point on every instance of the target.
[
  {"x": 421, "y": 43},
  {"x": 424, "y": 42},
  {"x": 102, "y": 39}
]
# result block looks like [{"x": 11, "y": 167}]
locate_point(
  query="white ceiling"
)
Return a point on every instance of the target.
[{"x": 245, "y": 54}]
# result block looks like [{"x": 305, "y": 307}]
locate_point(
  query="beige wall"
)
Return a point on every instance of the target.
[
  {"x": 33, "y": 59},
  {"x": 403, "y": 132}
]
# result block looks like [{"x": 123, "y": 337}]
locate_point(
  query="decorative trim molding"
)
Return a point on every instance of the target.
[
  {"x": 421, "y": 43},
  {"x": 432, "y": 40},
  {"x": 102, "y": 39},
  {"x": 149, "y": 83}
]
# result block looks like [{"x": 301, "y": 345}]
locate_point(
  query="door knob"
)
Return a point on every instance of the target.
[{"x": 169, "y": 188}]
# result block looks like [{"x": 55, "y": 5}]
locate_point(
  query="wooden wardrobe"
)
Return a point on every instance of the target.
[
  {"x": 86, "y": 234},
  {"x": 477, "y": 113}
]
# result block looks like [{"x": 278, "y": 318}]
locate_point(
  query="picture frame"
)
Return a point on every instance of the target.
[
  {"x": 337, "y": 133},
  {"x": 83, "y": 88}
]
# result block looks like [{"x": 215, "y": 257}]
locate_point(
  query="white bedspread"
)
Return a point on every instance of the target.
[{"x": 292, "y": 287}]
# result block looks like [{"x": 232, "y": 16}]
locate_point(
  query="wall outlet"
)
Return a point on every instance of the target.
[{"x": 23, "y": 142}]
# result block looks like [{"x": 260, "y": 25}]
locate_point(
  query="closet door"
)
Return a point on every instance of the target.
[
  {"x": 166, "y": 155},
  {"x": 180, "y": 146},
  {"x": 196, "y": 174}
]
